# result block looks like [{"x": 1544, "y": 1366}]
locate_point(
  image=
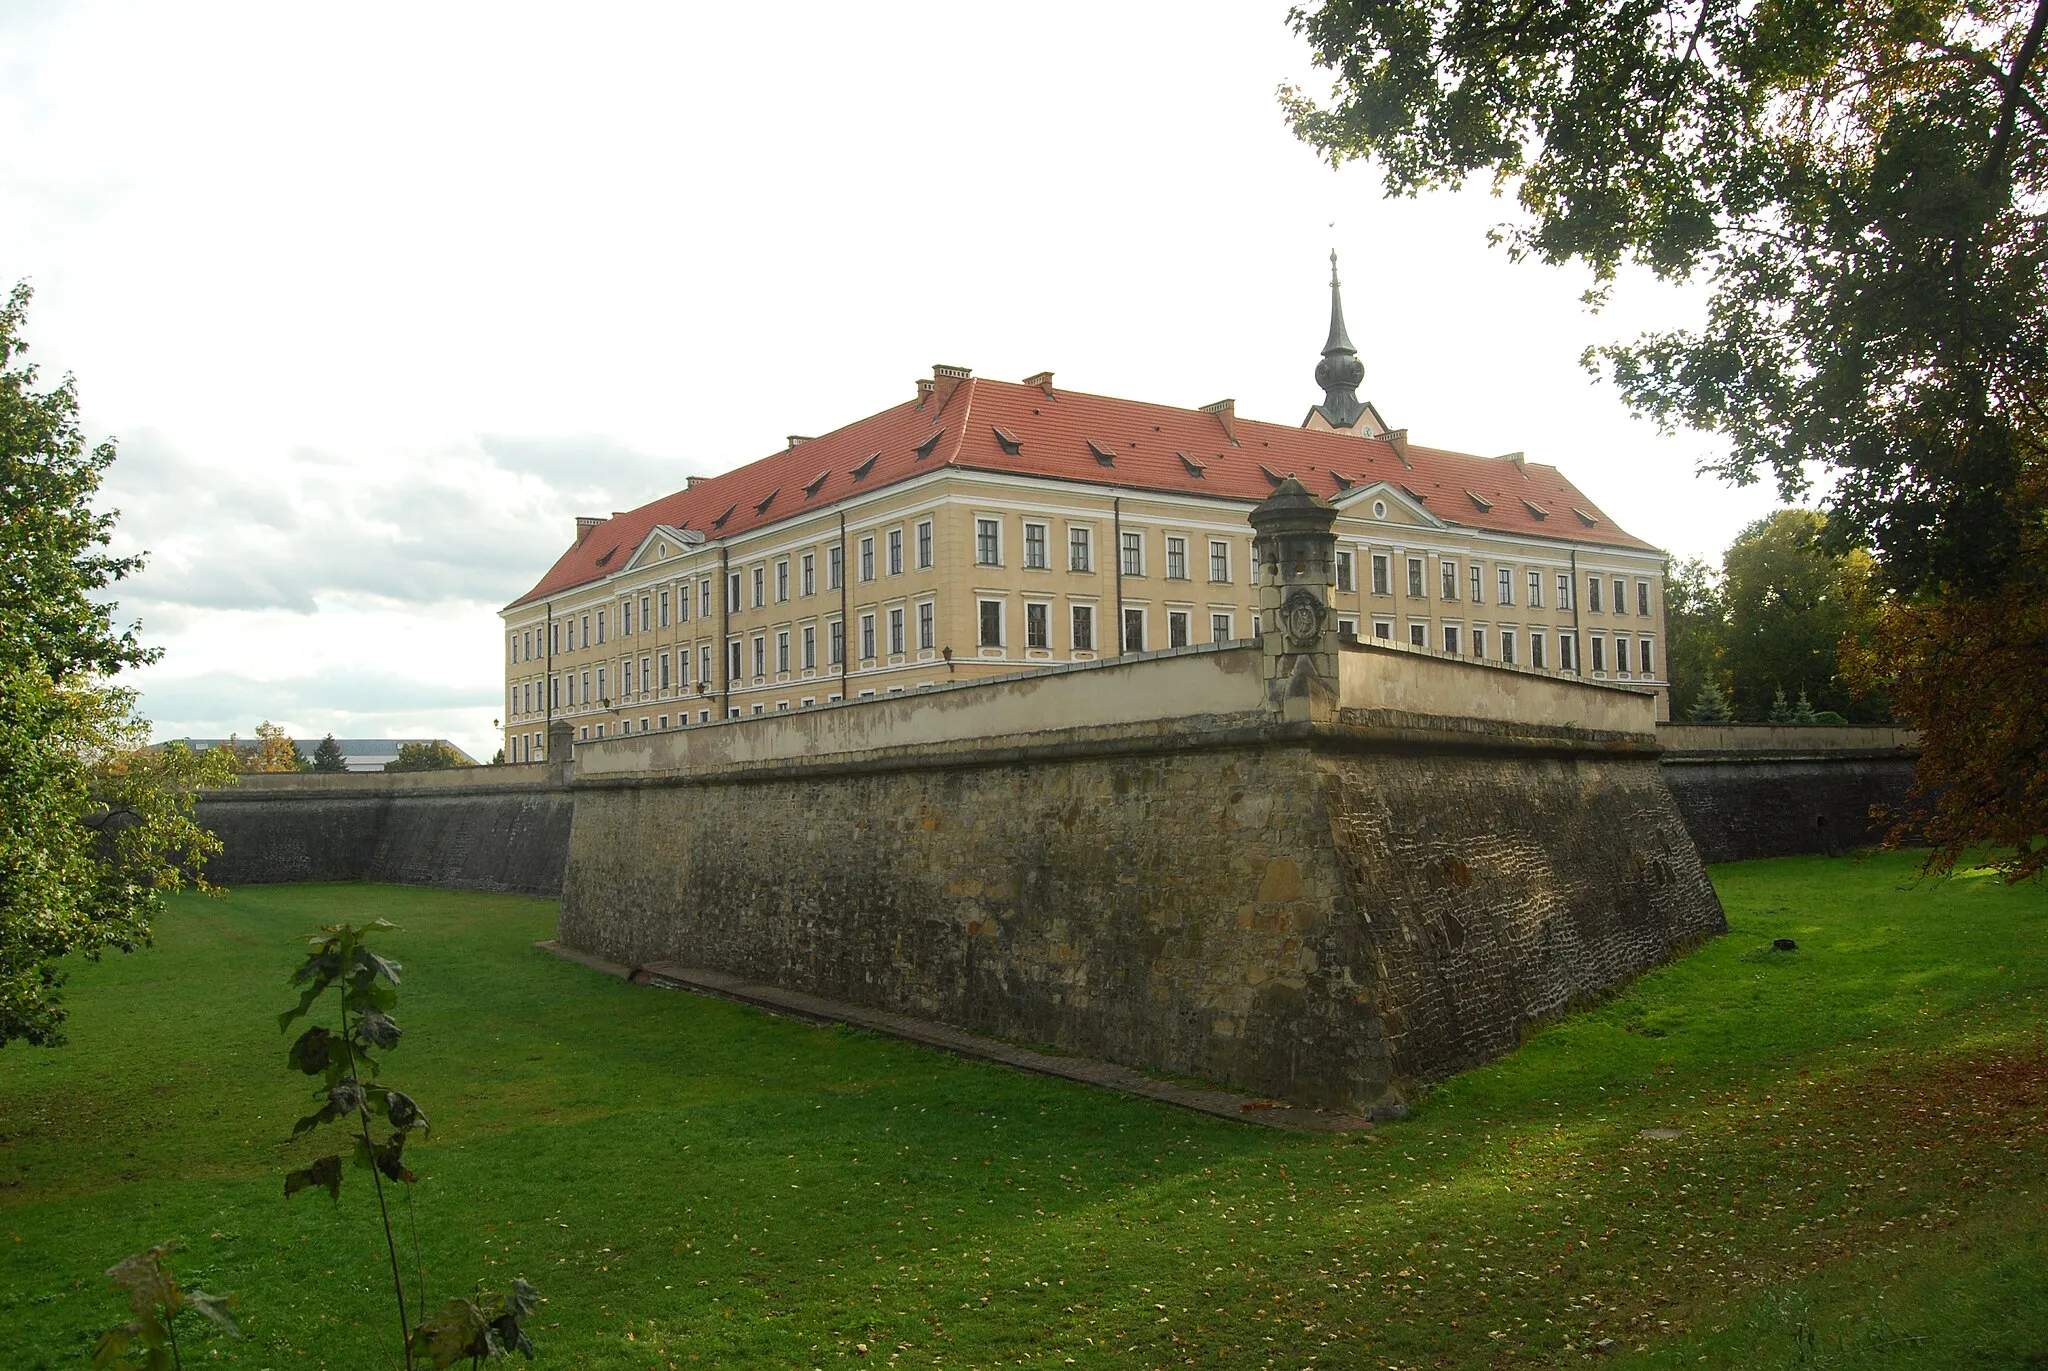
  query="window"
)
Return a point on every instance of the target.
[
  {"x": 1620, "y": 596},
  {"x": 646, "y": 619},
  {"x": 1479, "y": 642},
  {"x": 586, "y": 632},
  {"x": 1177, "y": 628},
  {"x": 523, "y": 646},
  {"x": 646, "y": 677},
  {"x": 1038, "y": 626},
  {"x": 1643, "y": 601},
  {"x": 1383, "y": 629},
  {"x": 1219, "y": 561},
  {"x": 664, "y": 721},
  {"x": 732, "y": 661},
  {"x": 1415, "y": 590},
  {"x": 835, "y": 567},
  {"x": 1418, "y": 635},
  {"x": 1535, "y": 590},
  {"x": 586, "y": 689},
  {"x": 867, "y": 637},
  {"x": 704, "y": 662},
  {"x": 1134, "y": 554},
  {"x": 1567, "y": 652},
  {"x": 1347, "y": 628},
  {"x": 896, "y": 631},
  {"x": 1450, "y": 579},
  {"x": 1381, "y": 584},
  {"x": 1450, "y": 637},
  {"x": 838, "y": 643},
  {"x": 664, "y": 609},
  {"x": 1478, "y": 584},
  {"x": 760, "y": 586},
  {"x": 760, "y": 655},
  {"x": 782, "y": 582},
  {"x": 991, "y": 614},
  {"x": 1034, "y": 546},
  {"x": 1134, "y": 630},
  {"x": 1599, "y": 646},
  {"x": 924, "y": 544},
  {"x": 1593, "y": 594},
  {"x": 988, "y": 542},
  {"x": 895, "y": 552},
  {"x": 554, "y": 639},
  {"x": 782, "y": 652},
  {"x": 1621, "y": 647},
  {"x": 1564, "y": 590},
  {"x": 1536, "y": 651},
  {"x": 927, "y": 626},
  {"x": 1649, "y": 667},
  {"x": 604, "y": 696},
  {"x": 1344, "y": 571},
  {"x": 1506, "y": 583},
  {"x": 1220, "y": 630},
  {"x": 601, "y": 617},
  {"x": 625, "y": 618},
  {"x": 1177, "y": 558},
  {"x": 1080, "y": 550},
  {"x": 867, "y": 557},
  {"x": 732, "y": 592},
  {"x": 807, "y": 575},
  {"x": 810, "y": 640},
  {"x": 1084, "y": 628}
]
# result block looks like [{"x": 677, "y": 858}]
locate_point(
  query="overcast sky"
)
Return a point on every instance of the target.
[{"x": 376, "y": 299}]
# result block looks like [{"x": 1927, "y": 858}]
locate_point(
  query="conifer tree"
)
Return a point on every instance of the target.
[
  {"x": 327, "y": 756},
  {"x": 1781, "y": 709},
  {"x": 1712, "y": 705}
]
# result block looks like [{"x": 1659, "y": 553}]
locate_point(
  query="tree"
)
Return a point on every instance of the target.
[
  {"x": 1695, "y": 632},
  {"x": 328, "y": 756},
  {"x": 1789, "y": 606},
  {"x": 434, "y": 756},
  {"x": 1781, "y": 709},
  {"x": 1712, "y": 706},
  {"x": 94, "y": 827},
  {"x": 274, "y": 751}
]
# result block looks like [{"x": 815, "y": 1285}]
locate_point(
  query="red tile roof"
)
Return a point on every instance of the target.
[{"x": 1097, "y": 440}]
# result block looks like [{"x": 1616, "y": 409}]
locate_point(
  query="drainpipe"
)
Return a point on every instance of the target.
[
  {"x": 1578, "y": 640},
  {"x": 1116, "y": 550},
  {"x": 724, "y": 647},
  {"x": 550, "y": 607},
  {"x": 845, "y": 623}
]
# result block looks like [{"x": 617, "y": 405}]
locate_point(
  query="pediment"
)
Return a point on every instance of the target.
[
  {"x": 661, "y": 543},
  {"x": 1405, "y": 508}
]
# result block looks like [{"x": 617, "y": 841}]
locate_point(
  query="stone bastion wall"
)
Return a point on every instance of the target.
[
  {"x": 478, "y": 828},
  {"x": 1292, "y": 882},
  {"x": 1758, "y": 790}
]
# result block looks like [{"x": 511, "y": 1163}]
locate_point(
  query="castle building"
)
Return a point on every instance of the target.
[{"x": 987, "y": 527}]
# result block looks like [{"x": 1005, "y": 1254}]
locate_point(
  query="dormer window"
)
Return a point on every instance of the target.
[
  {"x": 1479, "y": 502},
  {"x": 1102, "y": 454},
  {"x": 719, "y": 522},
  {"x": 860, "y": 472},
  {"x": 1271, "y": 475},
  {"x": 762, "y": 508},
  {"x": 929, "y": 445},
  {"x": 1010, "y": 443},
  {"x": 817, "y": 483},
  {"x": 1194, "y": 467},
  {"x": 1535, "y": 509}
]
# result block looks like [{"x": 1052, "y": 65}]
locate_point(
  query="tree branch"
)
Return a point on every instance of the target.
[{"x": 2015, "y": 82}]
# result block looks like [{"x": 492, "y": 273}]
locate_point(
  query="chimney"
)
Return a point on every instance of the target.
[
  {"x": 692, "y": 482},
  {"x": 1397, "y": 439},
  {"x": 797, "y": 440},
  {"x": 1520, "y": 463},
  {"x": 1226, "y": 415},
  {"x": 585, "y": 523},
  {"x": 946, "y": 380},
  {"x": 924, "y": 390},
  {"x": 1042, "y": 379}
]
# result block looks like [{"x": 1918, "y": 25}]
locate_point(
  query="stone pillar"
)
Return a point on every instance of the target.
[
  {"x": 1295, "y": 542},
  {"x": 562, "y": 750}
]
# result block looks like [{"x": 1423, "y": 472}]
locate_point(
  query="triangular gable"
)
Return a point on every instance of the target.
[
  {"x": 1401, "y": 506},
  {"x": 676, "y": 539}
]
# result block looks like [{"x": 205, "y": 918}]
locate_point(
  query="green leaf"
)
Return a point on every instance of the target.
[
  {"x": 325, "y": 1173},
  {"x": 403, "y": 1112},
  {"x": 112, "y": 1344},
  {"x": 312, "y": 1052},
  {"x": 376, "y": 1029},
  {"x": 387, "y": 969}
]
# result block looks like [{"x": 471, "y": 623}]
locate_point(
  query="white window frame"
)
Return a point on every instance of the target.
[{"x": 1219, "y": 552}]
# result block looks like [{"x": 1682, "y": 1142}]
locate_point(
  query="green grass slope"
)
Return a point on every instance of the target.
[{"x": 1857, "y": 1179}]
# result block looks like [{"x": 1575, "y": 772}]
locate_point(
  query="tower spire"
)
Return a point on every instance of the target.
[{"x": 1340, "y": 371}]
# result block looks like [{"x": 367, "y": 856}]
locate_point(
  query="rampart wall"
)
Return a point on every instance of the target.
[{"x": 1757, "y": 790}]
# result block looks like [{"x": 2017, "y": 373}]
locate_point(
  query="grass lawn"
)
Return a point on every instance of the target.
[{"x": 1859, "y": 1180}]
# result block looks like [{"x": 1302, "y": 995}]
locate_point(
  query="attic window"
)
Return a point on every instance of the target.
[
  {"x": 1102, "y": 454},
  {"x": 1538, "y": 510},
  {"x": 817, "y": 483},
  {"x": 609, "y": 555},
  {"x": 1194, "y": 467},
  {"x": 762, "y": 508},
  {"x": 1412, "y": 493},
  {"x": 1482, "y": 505},
  {"x": 1343, "y": 482},
  {"x": 719, "y": 522},
  {"x": 929, "y": 445},
  {"x": 1275, "y": 477},
  {"x": 1011, "y": 443},
  {"x": 864, "y": 468},
  {"x": 1584, "y": 518}
]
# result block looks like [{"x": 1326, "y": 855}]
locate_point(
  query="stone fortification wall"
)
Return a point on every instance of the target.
[
  {"x": 1327, "y": 908},
  {"x": 1758, "y": 790},
  {"x": 496, "y": 828}
]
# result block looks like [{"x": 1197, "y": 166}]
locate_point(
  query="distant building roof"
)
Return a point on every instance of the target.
[{"x": 358, "y": 754}]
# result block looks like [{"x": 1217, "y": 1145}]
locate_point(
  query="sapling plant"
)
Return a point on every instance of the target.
[
  {"x": 149, "y": 1341},
  {"x": 348, "y": 1059}
]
